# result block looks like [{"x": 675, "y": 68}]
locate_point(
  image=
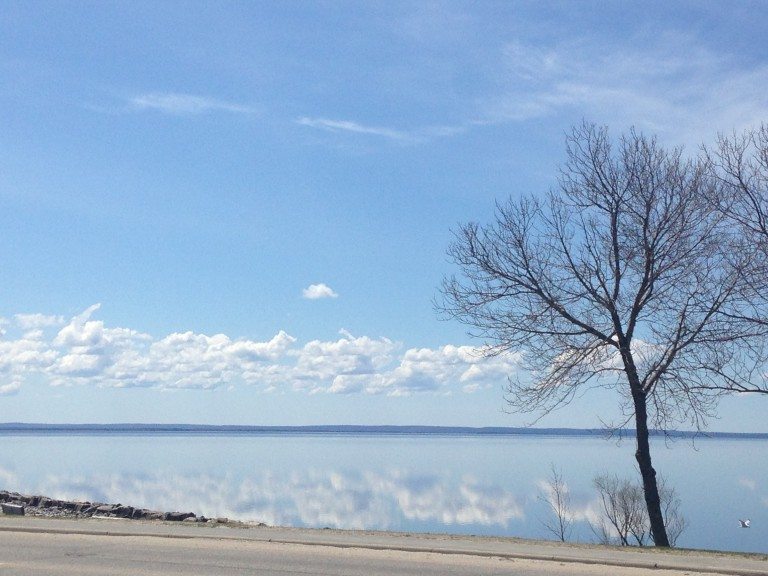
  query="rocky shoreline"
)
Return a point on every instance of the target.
[{"x": 17, "y": 504}]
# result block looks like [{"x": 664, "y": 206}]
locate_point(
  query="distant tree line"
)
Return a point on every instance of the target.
[{"x": 644, "y": 270}]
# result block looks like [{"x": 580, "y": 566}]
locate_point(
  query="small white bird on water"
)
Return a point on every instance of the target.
[{"x": 744, "y": 523}]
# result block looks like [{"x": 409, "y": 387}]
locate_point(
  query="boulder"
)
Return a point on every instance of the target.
[
  {"x": 140, "y": 513},
  {"x": 123, "y": 511},
  {"x": 13, "y": 509},
  {"x": 177, "y": 516}
]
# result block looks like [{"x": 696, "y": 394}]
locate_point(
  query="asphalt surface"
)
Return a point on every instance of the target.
[{"x": 34, "y": 546}]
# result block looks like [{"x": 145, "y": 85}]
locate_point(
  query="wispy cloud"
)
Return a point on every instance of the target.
[
  {"x": 186, "y": 104},
  {"x": 668, "y": 86},
  {"x": 354, "y": 127},
  {"x": 318, "y": 291},
  {"x": 85, "y": 351},
  {"x": 402, "y": 136}
]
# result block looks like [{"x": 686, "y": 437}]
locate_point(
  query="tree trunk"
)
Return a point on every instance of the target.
[
  {"x": 643, "y": 453},
  {"x": 643, "y": 456}
]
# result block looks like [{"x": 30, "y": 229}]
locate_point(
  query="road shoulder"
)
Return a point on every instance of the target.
[{"x": 647, "y": 558}]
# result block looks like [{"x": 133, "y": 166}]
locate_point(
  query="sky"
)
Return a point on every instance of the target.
[{"x": 239, "y": 212}]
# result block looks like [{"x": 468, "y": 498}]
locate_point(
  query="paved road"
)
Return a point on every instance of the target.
[{"x": 31, "y": 547}]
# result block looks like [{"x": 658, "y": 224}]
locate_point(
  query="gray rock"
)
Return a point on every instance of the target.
[
  {"x": 13, "y": 509},
  {"x": 140, "y": 513},
  {"x": 177, "y": 516},
  {"x": 123, "y": 511}
]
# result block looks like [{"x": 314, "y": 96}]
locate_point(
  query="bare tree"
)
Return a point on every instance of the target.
[
  {"x": 623, "y": 509},
  {"x": 625, "y": 516},
  {"x": 674, "y": 521},
  {"x": 614, "y": 279},
  {"x": 739, "y": 168},
  {"x": 557, "y": 498}
]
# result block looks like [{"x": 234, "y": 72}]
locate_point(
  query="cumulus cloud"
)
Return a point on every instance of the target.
[
  {"x": 427, "y": 369},
  {"x": 318, "y": 291},
  {"x": 85, "y": 351},
  {"x": 36, "y": 321}
]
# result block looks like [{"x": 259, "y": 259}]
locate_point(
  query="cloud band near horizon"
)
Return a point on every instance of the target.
[{"x": 84, "y": 351}]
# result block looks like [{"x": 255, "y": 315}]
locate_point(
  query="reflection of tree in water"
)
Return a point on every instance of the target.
[{"x": 316, "y": 498}]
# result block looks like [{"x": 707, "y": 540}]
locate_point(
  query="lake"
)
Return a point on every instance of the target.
[{"x": 465, "y": 484}]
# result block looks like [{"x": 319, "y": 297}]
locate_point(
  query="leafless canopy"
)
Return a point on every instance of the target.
[
  {"x": 739, "y": 169},
  {"x": 624, "y": 515},
  {"x": 557, "y": 498},
  {"x": 615, "y": 278},
  {"x": 740, "y": 164}
]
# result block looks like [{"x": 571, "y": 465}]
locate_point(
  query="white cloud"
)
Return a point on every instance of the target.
[
  {"x": 666, "y": 87},
  {"x": 10, "y": 388},
  {"x": 404, "y": 136},
  {"x": 430, "y": 370},
  {"x": 35, "y": 321},
  {"x": 185, "y": 104},
  {"x": 318, "y": 291},
  {"x": 84, "y": 351},
  {"x": 353, "y": 127}
]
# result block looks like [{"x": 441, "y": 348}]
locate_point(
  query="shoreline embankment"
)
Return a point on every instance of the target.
[{"x": 16, "y": 504}]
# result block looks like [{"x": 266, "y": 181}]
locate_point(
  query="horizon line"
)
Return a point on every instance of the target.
[{"x": 362, "y": 428}]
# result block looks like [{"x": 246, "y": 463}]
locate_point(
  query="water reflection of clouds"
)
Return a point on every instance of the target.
[
  {"x": 318, "y": 498},
  {"x": 7, "y": 478},
  {"x": 748, "y": 483},
  {"x": 752, "y": 485}
]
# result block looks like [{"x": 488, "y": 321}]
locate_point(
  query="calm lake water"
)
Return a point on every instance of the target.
[{"x": 423, "y": 483}]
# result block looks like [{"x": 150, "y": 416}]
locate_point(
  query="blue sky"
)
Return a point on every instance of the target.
[{"x": 238, "y": 212}]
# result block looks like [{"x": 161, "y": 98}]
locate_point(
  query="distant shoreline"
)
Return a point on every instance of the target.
[{"x": 16, "y": 427}]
